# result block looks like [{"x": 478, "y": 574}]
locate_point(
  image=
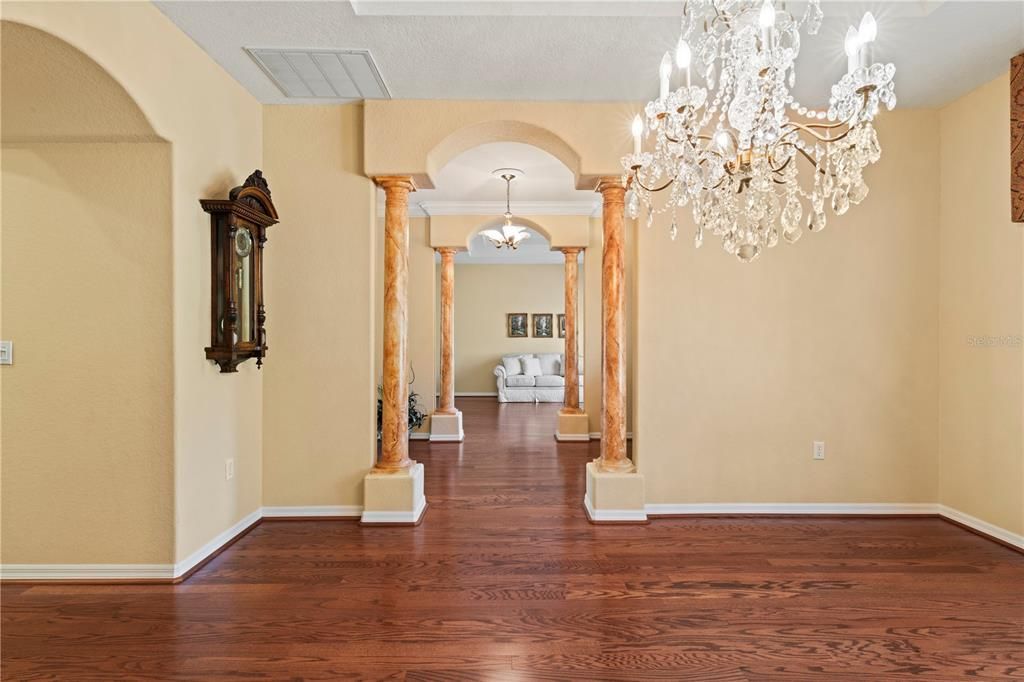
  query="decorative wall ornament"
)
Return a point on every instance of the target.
[
  {"x": 729, "y": 148},
  {"x": 1017, "y": 139},
  {"x": 238, "y": 231},
  {"x": 517, "y": 325},
  {"x": 543, "y": 325}
]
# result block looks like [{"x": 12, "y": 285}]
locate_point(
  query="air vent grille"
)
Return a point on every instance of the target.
[{"x": 322, "y": 74}]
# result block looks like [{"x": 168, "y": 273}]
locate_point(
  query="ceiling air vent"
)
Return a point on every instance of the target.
[{"x": 322, "y": 74}]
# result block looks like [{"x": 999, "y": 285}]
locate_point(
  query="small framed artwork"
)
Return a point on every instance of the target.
[
  {"x": 543, "y": 325},
  {"x": 561, "y": 325},
  {"x": 517, "y": 325}
]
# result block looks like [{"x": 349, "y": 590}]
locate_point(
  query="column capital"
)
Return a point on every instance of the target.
[
  {"x": 390, "y": 183},
  {"x": 446, "y": 250},
  {"x": 610, "y": 184},
  {"x": 570, "y": 251}
]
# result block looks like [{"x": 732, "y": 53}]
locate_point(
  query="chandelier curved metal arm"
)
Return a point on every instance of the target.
[
  {"x": 510, "y": 235},
  {"x": 729, "y": 149}
]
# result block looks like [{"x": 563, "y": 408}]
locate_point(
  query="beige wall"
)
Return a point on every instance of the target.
[
  {"x": 86, "y": 281},
  {"x": 215, "y": 130},
  {"x": 483, "y": 296},
  {"x": 741, "y": 367},
  {"x": 981, "y": 295},
  {"x": 319, "y": 438}
]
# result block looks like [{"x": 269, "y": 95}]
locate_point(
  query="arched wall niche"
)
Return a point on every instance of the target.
[
  {"x": 87, "y": 293},
  {"x": 456, "y": 231},
  {"x": 418, "y": 137},
  {"x": 53, "y": 91}
]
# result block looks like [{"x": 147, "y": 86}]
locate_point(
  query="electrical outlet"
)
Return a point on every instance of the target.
[
  {"x": 229, "y": 469},
  {"x": 819, "y": 449}
]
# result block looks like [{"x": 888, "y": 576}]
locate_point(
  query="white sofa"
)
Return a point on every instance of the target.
[{"x": 548, "y": 387}]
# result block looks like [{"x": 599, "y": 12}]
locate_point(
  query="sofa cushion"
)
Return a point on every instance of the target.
[
  {"x": 512, "y": 365},
  {"x": 531, "y": 367},
  {"x": 561, "y": 364},
  {"x": 550, "y": 381},
  {"x": 549, "y": 363},
  {"x": 519, "y": 381}
]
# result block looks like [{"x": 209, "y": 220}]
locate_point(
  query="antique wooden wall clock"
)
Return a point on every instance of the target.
[{"x": 238, "y": 231}]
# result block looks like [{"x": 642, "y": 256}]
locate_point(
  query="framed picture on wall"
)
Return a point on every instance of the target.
[
  {"x": 543, "y": 325},
  {"x": 517, "y": 325},
  {"x": 561, "y": 325}
]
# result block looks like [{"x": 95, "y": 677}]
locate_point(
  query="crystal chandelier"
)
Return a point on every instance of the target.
[
  {"x": 732, "y": 152},
  {"x": 510, "y": 235}
]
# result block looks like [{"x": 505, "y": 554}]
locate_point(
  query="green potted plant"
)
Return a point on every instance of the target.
[{"x": 416, "y": 414}]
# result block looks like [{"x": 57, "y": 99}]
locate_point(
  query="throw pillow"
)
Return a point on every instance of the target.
[
  {"x": 531, "y": 367},
  {"x": 512, "y": 366},
  {"x": 549, "y": 363}
]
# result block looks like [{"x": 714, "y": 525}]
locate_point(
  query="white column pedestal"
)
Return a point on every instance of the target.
[
  {"x": 394, "y": 499},
  {"x": 614, "y": 497},
  {"x": 446, "y": 427},
  {"x": 573, "y": 427}
]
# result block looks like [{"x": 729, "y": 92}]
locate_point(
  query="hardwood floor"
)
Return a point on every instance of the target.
[{"x": 506, "y": 580}]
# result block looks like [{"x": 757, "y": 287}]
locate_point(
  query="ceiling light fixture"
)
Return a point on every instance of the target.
[
  {"x": 510, "y": 235},
  {"x": 732, "y": 152}
]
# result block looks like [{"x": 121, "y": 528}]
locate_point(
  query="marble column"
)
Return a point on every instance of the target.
[
  {"x": 447, "y": 405},
  {"x": 446, "y": 422},
  {"x": 571, "y": 402},
  {"x": 393, "y": 489},
  {"x": 615, "y": 489},
  {"x": 613, "y": 308},
  {"x": 395, "y": 421}
]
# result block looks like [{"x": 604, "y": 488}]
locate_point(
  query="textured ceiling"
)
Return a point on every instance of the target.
[{"x": 588, "y": 50}]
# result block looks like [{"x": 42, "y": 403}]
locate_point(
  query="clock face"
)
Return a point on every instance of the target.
[{"x": 243, "y": 242}]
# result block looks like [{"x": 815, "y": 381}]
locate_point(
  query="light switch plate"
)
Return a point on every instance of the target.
[{"x": 6, "y": 352}]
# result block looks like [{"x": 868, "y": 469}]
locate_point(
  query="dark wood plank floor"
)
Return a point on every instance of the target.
[{"x": 506, "y": 580}]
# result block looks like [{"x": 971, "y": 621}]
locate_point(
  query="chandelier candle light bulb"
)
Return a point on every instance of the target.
[
  {"x": 683, "y": 58},
  {"x": 730, "y": 151}
]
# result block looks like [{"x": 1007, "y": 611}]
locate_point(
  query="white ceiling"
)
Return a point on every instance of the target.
[{"x": 591, "y": 50}]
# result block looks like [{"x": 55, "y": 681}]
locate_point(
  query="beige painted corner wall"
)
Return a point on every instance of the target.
[
  {"x": 215, "y": 130},
  {"x": 740, "y": 367},
  {"x": 319, "y": 439},
  {"x": 483, "y": 296},
  {"x": 87, "y": 428},
  {"x": 981, "y": 298}
]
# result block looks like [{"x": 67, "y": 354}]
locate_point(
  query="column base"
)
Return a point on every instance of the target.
[
  {"x": 394, "y": 499},
  {"x": 572, "y": 426},
  {"x": 614, "y": 497},
  {"x": 446, "y": 427}
]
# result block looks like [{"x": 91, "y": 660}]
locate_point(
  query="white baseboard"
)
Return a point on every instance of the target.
[
  {"x": 187, "y": 564},
  {"x": 87, "y": 572},
  {"x": 396, "y": 516},
  {"x": 476, "y": 394},
  {"x": 613, "y": 514},
  {"x": 596, "y": 435},
  {"x": 419, "y": 435},
  {"x": 982, "y": 526},
  {"x": 790, "y": 508},
  {"x": 447, "y": 437},
  {"x": 572, "y": 437},
  {"x": 346, "y": 510}
]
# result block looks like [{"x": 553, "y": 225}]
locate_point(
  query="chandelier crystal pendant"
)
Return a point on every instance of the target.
[
  {"x": 510, "y": 235},
  {"x": 731, "y": 151}
]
